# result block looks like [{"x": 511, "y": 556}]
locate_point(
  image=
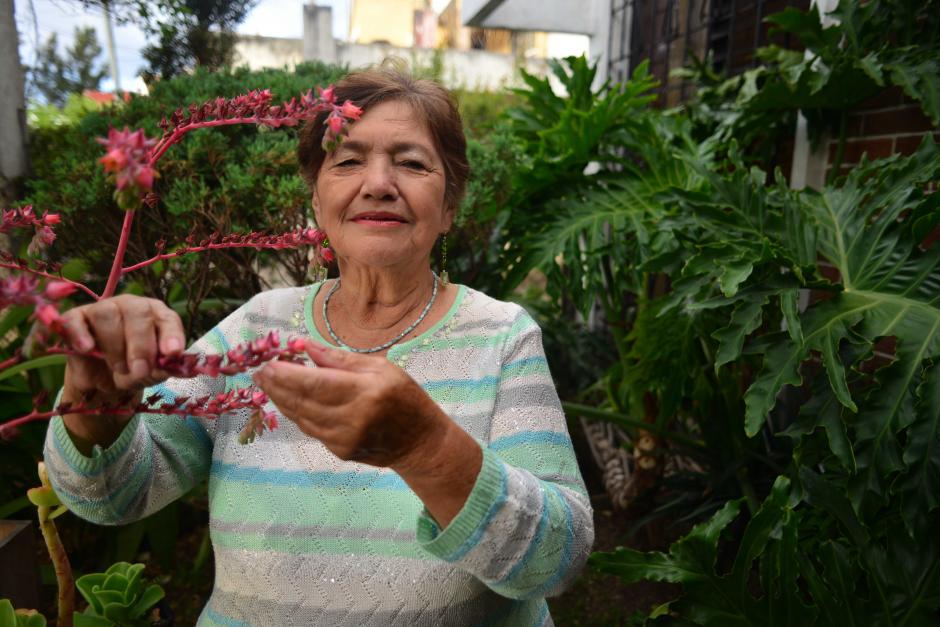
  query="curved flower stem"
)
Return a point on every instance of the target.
[
  {"x": 60, "y": 559},
  {"x": 199, "y": 249}
]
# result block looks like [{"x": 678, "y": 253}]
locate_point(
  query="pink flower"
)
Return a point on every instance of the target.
[
  {"x": 335, "y": 123},
  {"x": 49, "y": 219},
  {"x": 128, "y": 158},
  {"x": 114, "y": 161},
  {"x": 48, "y": 315},
  {"x": 57, "y": 290},
  {"x": 328, "y": 255},
  {"x": 327, "y": 95},
  {"x": 43, "y": 238},
  {"x": 351, "y": 111}
]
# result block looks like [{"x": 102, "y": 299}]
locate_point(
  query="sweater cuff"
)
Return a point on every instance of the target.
[
  {"x": 100, "y": 457},
  {"x": 465, "y": 530}
]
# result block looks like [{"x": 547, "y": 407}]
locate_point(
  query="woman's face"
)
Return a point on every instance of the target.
[{"x": 380, "y": 195}]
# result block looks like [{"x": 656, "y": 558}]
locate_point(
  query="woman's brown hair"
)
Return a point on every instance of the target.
[{"x": 427, "y": 99}]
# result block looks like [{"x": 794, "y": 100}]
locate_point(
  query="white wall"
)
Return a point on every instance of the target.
[{"x": 473, "y": 69}]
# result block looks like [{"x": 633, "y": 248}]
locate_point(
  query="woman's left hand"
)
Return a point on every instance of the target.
[
  {"x": 365, "y": 409},
  {"x": 362, "y": 408}
]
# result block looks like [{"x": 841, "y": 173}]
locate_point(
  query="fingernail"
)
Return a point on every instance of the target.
[
  {"x": 86, "y": 344},
  {"x": 140, "y": 368},
  {"x": 173, "y": 345}
]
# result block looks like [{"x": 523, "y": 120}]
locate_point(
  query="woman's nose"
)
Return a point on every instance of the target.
[{"x": 379, "y": 182}]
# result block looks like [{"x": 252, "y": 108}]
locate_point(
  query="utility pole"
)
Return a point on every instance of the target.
[
  {"x": 112, "y": 55},
  {"x": 13, "y": 160}
]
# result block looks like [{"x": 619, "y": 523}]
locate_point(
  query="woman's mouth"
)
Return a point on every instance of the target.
[{"x": 379, "y": 218}]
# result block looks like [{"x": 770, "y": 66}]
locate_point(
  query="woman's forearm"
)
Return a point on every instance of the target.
[
  {"x": 89, "y": 430},
  {"x": 443, "y": 471}
]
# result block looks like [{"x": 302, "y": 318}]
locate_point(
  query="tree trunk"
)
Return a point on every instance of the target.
[{"x": 13, "y": 163}]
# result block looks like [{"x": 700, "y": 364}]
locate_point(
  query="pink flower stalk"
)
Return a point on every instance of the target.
[
  {"x": 255, "y": 239},
  {"x": 238, "y": 359},
  {"x": 205, "y": 407}
]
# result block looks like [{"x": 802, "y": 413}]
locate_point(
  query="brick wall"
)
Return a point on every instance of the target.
[{"x": 887, "y": 124}]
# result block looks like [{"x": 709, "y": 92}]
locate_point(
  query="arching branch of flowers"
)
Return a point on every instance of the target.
[{"x": 131, "y": 159}]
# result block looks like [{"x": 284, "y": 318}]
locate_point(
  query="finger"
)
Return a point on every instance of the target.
[
  {"x": 104, "y": 319},
  {"x": 329, "y": 357},
  {"x": 87, "y": 374},
  {"x": 76, "y": 330},
  {"x": 140, "y": 337},
  {"x": 325, "y": 385},
  {"x": 170, "y": 334}
]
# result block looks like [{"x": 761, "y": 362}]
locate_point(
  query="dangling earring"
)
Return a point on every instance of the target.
[{"x": 445, "y": 279}]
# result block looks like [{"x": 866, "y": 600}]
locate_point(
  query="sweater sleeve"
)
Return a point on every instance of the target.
[
  {"x": 527, "y": 527},
  {"x": 156, "y": 459}
]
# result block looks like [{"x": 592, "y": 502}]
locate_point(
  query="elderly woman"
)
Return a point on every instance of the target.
[{"x": 423, "y": 474}]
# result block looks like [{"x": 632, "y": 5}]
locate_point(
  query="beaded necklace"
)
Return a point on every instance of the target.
[{"x": 395, "y": 340}]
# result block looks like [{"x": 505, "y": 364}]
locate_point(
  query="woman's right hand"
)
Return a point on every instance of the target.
[{"x": 129, "y": 332}]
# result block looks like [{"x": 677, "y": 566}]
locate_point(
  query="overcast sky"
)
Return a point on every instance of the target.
[{"x": 272, "y": 18}]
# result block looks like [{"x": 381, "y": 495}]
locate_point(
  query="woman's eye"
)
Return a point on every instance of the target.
[
  {"x": 345, "y": 163},
  {"x": 414, "y": 165}
]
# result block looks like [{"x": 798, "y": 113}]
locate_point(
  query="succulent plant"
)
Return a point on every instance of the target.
[
  {"x": 19, "y": 618},
  {"x": 117, "y": 596}
]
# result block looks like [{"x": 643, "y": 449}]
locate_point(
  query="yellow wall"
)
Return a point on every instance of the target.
[{"x": 384, "y": 20}]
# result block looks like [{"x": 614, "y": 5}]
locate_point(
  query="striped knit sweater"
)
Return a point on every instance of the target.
[{"x": 303, "y": 538}]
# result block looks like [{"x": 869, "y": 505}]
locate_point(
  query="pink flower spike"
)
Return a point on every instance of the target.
[{"x": 57, "y": 290}]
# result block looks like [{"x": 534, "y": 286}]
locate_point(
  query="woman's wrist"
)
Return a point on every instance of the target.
[
  {"x": 89, "y": 430},
  {"x": 442, "y": 470}
]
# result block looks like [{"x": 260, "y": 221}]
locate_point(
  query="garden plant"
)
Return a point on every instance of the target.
[
  {"x": 776, "y": 350},
  {"x": 38, "y": 290}
]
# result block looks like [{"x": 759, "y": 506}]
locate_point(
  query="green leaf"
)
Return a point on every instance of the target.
[
  {"x": 43, "y": 497},
  {"x": 745, "y": 319},
  {"x": 148, "y": 599},
  {"x": 33, "y": 364},
  {"x": 789, "y": 301},
  {"x": 89, "y": 620},
  {"x": 919, "y": 487},
  {"x": 7, "y": 615}
]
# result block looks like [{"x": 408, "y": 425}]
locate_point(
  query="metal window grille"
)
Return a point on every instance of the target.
[{"x": 667, "y": 32}]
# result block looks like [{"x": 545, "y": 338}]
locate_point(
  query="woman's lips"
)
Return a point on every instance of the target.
[{"x": 379, "y": 219}]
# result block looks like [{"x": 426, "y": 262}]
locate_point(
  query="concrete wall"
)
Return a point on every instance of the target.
[
  {"x": 473, "y": 69},
  {"x": 263, "y": 52}
]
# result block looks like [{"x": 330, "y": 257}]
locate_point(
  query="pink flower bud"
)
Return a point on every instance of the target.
[
  {"x": 57, "y": 290},
  {"x": 48, "y": 315},
  {"x": 50, "y": 219},
  {"x": 145, "y": 177},
  {"x": 298, "y": 345},
  {"x": 328, "y": 255},
  {"x": 335, "y": 123}
]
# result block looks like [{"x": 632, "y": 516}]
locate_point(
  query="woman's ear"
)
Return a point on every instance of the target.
[{"x": 449, "y": 215}]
